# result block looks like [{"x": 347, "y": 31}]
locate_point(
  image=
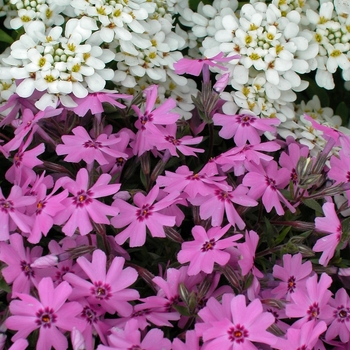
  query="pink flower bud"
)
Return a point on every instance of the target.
[
  {"x": 78, "y": 341},
  {"x": 221, "y": 83},
  {"x": 45, "y": 261}
]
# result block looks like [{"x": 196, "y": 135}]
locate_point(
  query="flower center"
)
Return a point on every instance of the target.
[
  {"x": 45, "y": 317},
  {"x": 208, "y": 245},
  {"x": 291, "y": 284},
  {"x": 89, "y": 315},
  {"x": 342, "y": 314},
  {"x": 313, "y": 311},
  {"x": 92, "y": 144},
  {"x": 144, "y": 212},
  {"x": 237, "y": 333},
  {"x": 172, "y": 140},
  {"x": 223, "y": 195},
  {"x": 270, "y": 182},
  {"x": 245, "y": 120},
  {"x": 101, "y": 290},
  {"x": 39, "y": 207},
  {"x": 27, "y": 270},
  {"x": 82, "y": 198},
  {"x": 6, "y": 206}
]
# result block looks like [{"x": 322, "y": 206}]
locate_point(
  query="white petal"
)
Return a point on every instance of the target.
[
  {"x": 107, "y": 34},
  {"x": 332, "y": 64},
  {"x": 291, "y": 31},
  {"x": 272, "y": 91},
  {"x": 300, "y": 66},
  {"x": 324, "y": 79},
  {"x": 199, "y": 19},
  {"x": 79, "y": 90},
  {"x": 25, "y": 88},
  {"x": 272, "y": 76},
  {"x": 95, "y": 82},
  {"x": 141, "y": 42},
  {"x": 46, "y": 100}
]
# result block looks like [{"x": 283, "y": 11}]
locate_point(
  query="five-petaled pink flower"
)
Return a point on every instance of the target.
[
  {"x": 145, "y": 214},
  {"x": 206, "y": 249},
  {"x": 233, "y": 325},
  {"x": 51, "y": 314},
  {"x": 107, "y": 288},
  {"x": 83, "y": 206}
]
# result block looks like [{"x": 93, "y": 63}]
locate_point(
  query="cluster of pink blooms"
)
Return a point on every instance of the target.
[{"x": 91, "y": 198}]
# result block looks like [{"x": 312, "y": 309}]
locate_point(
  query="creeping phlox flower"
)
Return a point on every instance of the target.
[
  {"x": 233, "y": 324},
  {"x": 206, "y": 249},
  {"x": 82, "y": 209},
  {"x": 329, "y": 224},
  {"x": 107, "y": 286},
  {"x": 50, "y": 314}
]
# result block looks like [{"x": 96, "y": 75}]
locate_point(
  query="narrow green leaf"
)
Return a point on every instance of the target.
[
  {"x": 5, "y": 38},
  {"x": 311, "y": 203}
]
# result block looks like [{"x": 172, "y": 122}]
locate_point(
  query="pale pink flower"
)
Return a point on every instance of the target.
[
  {"x": 192, "y": 342},
  {"x": 49, "y": 314},
  {"x": 206, "y": 249}
]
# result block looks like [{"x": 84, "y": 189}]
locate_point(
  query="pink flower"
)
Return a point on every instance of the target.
[
  {"x": 145, "y": 214},
  {"x": 206, "y": 249},
  {"x": 234, "y": 325},
  {"x": 220, "y": 201},
  {"x": 244, "y": 127},
  {"x": 11, "y": 212},
  {"x": 82, "y": 147},
  {"x": 83, "y": 206},
  {"x": 312, "y": 305},
  {"x": 18, "y": 259},
  {"x": 107, "y": 289},
  {"x": 93, "y": 102},
  {"x": 305, "y": 337},
  {"x": 266, "y": 182},
  {"x": 340, "y": 169},
  {"x": 340, "y": 325},
  {"x": 293, "y": 275},
  {"x": 192, "y": 342},
  {"x": 195, "y": 66},
  {"x": 130, "y": 338},
  {"x": 48, "y": 314},
  {"x": 329, "y": 224},
  {"x": 247, "y": 251}
]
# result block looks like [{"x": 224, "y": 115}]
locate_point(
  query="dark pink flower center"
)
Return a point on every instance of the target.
[
  {"x": 342, "y": 314},
  {"x": 223, "y": 195},
  {"x": 60, "y": 273},
  {"x": 27, "y": 270},
  {"x": 270, "y": 182},
  {"x": 101, "y": 290},
  {"x": 294, "y": 176},
  {"x": 82, "y": 198},
  {"x": 6, "y": 206},
  {"x": 313, "y": 311},
  {"x": 120, "y": 161},
  {"x": 144, "y": 212},
  {"x": 194, "y": 177},
  {"x": 89, "y": 315},
  {"x": 237, "y": 333},
  {"x": 45, "y": 317},
  {"x": 208, "y": 245},
  {"x": 274, "y": 313},
  {"x": 172, "y": 140},
  {"x": 18, "y": 159},
  {"x": 39, "y": 207},
  {"x": 245, "y": 119},
  {"x": 146, "y": 118},
  {"x": 291, "y": 285},
  {"x": 92, "y": 144},
  {"x": 348, "y": 176}
]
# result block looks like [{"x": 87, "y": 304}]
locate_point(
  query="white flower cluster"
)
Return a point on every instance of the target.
[
  {"x": 331, "y": 32},
  {"x": 45, "y": 60}
]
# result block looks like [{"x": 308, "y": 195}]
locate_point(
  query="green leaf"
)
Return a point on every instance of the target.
[
  {"x": 4, "y": 286},
  {"x": 182, "y": 310},
  {"x": 5, "y": 38},
  {"x": 282, "y": 235},
  {"x": 311, "y": 203}
]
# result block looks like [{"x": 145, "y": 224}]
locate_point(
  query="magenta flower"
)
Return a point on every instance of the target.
[
  {"x": 51, "y": 315},
  {"x": 130, "y": 338},
  {"x": 265, "y": 182},
  {"x": 244, "y": 127},
  {"x": 195, "y": 66},
  {"x": 11, "y": 212},
  {"x": 82, "y": 147},
  {"x": 314, "y": 304},
  {"x": 18, "y": 259},
  {"x": 107, "y": 289},
  {"x": 305, "y": 337},
  {"x": 340, "y": 325},
  {"x": 206, "y": 249},
  {"x": 145, "y": 214},
  {"x": 221, "y": 201},
  {"x": 93, "y": 102},
  {"x": 329, "y": 224},
  {"x": 234, "y": 325},
  {"x": 293, "y": 275},
  {"x": 83, "y": 206},
  {"x": 340, "y": 170}
]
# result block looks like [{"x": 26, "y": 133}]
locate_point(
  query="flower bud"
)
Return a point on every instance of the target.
[
  {"x": 45, "y": 261},
  {"x": 78, "y": 341}
]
